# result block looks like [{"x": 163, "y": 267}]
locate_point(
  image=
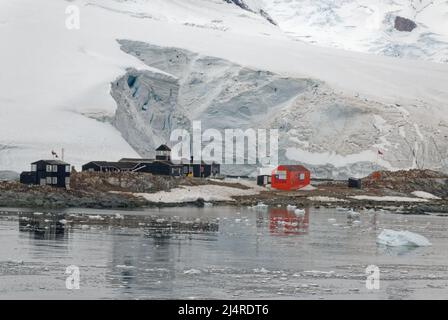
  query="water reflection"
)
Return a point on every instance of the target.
[
  {"x": 395, "y": 251},
  {"x": 210, "y": 253},
  {"x": 160, "y": 228},
  {"x": 42, "y": 226},
  {"x": 284, "y": 222}
]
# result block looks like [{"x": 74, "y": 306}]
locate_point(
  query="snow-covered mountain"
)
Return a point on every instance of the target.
[
  {"x": 92, "y": 91},
  {"x": 367, "y": 26}
]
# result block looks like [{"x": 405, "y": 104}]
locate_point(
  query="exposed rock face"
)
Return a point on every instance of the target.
[
  {"x": 404, "y": 24},
  {"x": 429, "y": 181},
  {"x": 243, "y": 5}
]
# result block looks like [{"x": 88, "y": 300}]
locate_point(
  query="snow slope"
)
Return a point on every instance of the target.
[
  {"x": 55, "y": 82},
  {"x": 366, "y": 25}
]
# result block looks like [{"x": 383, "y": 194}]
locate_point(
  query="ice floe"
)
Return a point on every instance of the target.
[
  {"x": 192, "y": 271},
  {"x": 351, "y": 214},
  {"x": 394, "y": 238}
]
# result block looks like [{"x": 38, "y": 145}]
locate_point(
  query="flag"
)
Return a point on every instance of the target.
[
  {"x": 380, "y": 153},
  {"x": 54, "y": 154}
]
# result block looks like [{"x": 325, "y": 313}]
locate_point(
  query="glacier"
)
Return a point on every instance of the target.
[
  {"x": 85, "y": 90},
  {"x": 333, "y": 134}
]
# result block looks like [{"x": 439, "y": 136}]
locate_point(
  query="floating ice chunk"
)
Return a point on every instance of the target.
[
  {"x": 97, "y": 217},
  {"x": 331, "y": 220},
  {"x": 341, "y": 209},
  {"x": 394, "y": 238},
  {"x": 299, "y": 212},
  {"x": 318, "y": 272},
  {"x": 123, "y": 266},
  {"x": 37, "y": 213},
  {"x": 262, "y": 270},
  {"x": 260, "y": 206},
  {"x": 290, "y": 207},
  {"x": 63, "y": 221},
  {"x": 192, "y": 271},
  {"x": 208, "y": 204},
  {"x": 118, "y": 216},
  {"x": 352, "y": 214}
]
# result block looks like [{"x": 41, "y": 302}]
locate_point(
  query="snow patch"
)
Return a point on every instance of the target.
[
  {"x": 326, "y": 199},
  {"x": 193, "y": 193},
  {"x": 388, "y": 198},
  {"x": 425, "y": 195}
]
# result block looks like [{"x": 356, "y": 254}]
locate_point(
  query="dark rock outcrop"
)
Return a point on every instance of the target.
[
  {"x": 404, "y": 24},
  {"x": 244, "y": 6}
]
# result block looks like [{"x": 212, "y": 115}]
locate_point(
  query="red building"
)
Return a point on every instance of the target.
[{"x": 290, "y": 177}]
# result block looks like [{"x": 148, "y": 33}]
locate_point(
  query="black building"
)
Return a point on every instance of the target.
[
  {"x": 107, "y": 166},
  {"x": 204, "y": 170},
  {"x": 161, "y": 165},
  {"x": 48, "y": 172},
  {"x": 198, "y": 170}
]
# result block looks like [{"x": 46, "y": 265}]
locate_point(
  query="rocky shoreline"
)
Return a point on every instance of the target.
[{"x": 132, "y": 191}]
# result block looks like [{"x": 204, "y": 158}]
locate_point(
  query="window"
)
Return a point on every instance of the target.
[
  {"x": 54, "y": 180},
  {"x": 301, "y": 176},
  {"x": 67, "y": 168},
  {"x": 48, "y": 180},
  {"x": 49, "y": 168},
  {"x": 55, "y": 168},
  {"x": 33, "y": 168},
  {"x": 281, "y": 175}
]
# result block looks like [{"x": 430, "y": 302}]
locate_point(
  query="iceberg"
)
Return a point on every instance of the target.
[{"x": 392, "y": 238}]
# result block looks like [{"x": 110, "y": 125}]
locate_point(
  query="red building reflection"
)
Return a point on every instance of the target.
[{"x": 284, "y": 222}]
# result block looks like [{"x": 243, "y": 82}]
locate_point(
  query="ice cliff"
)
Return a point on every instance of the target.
[{"x": 333, "y": 134}]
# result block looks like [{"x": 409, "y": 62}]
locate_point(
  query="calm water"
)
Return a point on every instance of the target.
[{"x": 217, "y": 252}]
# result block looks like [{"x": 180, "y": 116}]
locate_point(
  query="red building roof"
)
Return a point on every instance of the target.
[{"x": 293, "y": 167}]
